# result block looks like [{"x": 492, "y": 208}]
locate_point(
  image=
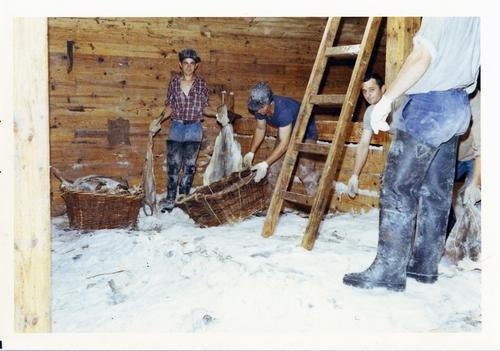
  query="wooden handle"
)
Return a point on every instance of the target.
[{"x": 222, "y": 97}]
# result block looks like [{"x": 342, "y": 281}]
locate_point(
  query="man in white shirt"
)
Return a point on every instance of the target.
[
  {"x": 372, "y": 88},
  {"x": 415, "y": 197}
]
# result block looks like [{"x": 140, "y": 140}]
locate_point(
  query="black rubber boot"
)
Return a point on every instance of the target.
[
  {"x": 174, "y": 157},
  {"x": 433, "y": 213},
  {"x": 407, "y": 164},
  {"x": 189, "y": 156},
  {"x": 388, "y": 270}
]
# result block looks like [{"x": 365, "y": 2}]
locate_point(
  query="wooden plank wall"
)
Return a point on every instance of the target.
[{"x": 121, "y": 68}]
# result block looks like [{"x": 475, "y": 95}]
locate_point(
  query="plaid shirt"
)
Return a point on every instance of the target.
[{"x": 187, "y": 108}]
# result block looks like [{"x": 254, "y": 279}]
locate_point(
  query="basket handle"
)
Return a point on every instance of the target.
[{"x": 211, "y": 210}]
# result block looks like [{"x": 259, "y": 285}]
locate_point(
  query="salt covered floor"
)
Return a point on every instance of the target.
[{"x": 171, "y": 276}]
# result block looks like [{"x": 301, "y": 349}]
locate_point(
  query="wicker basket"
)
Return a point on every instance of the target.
[
  {"x": 102, "y": 211},
  {"x": 228, "y": 200}
]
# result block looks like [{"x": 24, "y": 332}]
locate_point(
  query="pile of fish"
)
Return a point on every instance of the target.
[
  {"x": 226, "y": 157},
  {"x": 95, "y": 184}
]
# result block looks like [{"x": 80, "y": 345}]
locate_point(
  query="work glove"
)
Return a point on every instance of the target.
[
  {"x": 154, "y": 126},
  {"x": 472, "y": 194},
  {"x": 379, "y": 114},
  {"x": 261, "y": 169},
  {"x": 352, "y": 186},
  {"x": 221, "y": 115},
  {"x": 247, "y": 159}
]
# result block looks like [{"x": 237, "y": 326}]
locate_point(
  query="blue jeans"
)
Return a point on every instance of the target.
[
  {"x": 185, "y": 132},
  {"x": 311, "y": 130},
  {"x": 435, "y": 117},
  {"x": 464, "y": 168}
]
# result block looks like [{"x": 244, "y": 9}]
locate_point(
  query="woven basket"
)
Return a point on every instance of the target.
[
  {"x": 102, "y": 211},
  {"x": 228, "y": 200}
]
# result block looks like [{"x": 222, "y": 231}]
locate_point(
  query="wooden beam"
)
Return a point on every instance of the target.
[
  {"x": 400, "y": 32},
  {"x": 319, "y": 149},
  {"x": 31, "y": 185},
  {"x": 344, "y": 51},
  {"x": 328, "y": 100},
  {"x": 399, "y": 43},
  {"x": 297, "y": 198}
]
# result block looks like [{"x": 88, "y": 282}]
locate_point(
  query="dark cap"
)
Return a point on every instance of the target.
[
  {"x": 189, "y": 53},
  {"x": 260, "y": 95}
]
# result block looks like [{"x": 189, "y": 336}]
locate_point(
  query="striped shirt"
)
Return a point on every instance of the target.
[{"x": 190, "y": 107}]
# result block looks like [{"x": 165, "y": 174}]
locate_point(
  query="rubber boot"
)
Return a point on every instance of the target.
[
  {"x": 174, "y": 153},
  {"x": 189, "y": 156},
  {"x": 187, "y": 180},
  {"x": 407, "y": 164},
  {"x": 433, "y": 213}
]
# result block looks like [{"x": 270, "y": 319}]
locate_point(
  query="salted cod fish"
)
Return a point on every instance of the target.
[
  {"x": 148, "y": 180},
  {"x": 226, "y": 157},
  {"x": 464, "y": 240},
  {"x": 93, "y": 184}
]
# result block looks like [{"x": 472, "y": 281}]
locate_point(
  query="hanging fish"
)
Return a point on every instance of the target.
[
  {"x": 226, "y": 157},
  {"x": 148, "y": 179}
]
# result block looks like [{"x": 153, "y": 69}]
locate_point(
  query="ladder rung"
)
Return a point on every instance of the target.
[
  {"x": 344, "y": 51},
  {"x": 321, "y": 149},
  {"x": 327, "y": 100},
  {"x": 297, "y": 198}
]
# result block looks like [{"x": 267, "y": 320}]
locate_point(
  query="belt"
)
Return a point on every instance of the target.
[{"x": 186, "y": 121}]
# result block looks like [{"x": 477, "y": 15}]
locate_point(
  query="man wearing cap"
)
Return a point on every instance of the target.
[
  {"x": 280, "y": 112},
  {"x": 186, "y": 103}
]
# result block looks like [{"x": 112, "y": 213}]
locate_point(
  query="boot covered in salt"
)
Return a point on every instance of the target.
[
  {"x": 388, "y": 270},
  {"x": 168, "y": 206},
  {"x": 433, "y": 213},
  {"x": 403, "y": 175},
  {"x": 378, "y": 275}
]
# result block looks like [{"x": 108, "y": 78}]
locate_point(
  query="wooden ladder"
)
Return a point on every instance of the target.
[{"x": 318, "y": 202}]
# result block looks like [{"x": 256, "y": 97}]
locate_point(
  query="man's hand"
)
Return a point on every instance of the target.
[
  {"x": 247, "y": 159},
  {"x": 261, "y": 169},
  {"x": 221, "y": 115},
  {"x": 472, "y": 194},
  {"x": 379, "y": 114},
  {"x": 352, "y": 186},
  {"x": 155, "y": 126}
]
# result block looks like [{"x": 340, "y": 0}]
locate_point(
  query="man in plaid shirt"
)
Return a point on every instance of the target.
[{"x": 186, "y": 103}]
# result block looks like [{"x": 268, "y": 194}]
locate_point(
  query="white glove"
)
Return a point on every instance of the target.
[
  {"x": 379, "y": 114},
  {"x": 352, "y": 186},
  {"x": 154, "y": 126},
  {"x": 472, "y": 194},
  {"x": 261, "y": 169},
  {"x": 247, "y": 159}
]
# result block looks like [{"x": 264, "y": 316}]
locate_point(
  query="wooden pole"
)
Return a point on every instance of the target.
[
  {"x": 31, "y": 184},
  {"x": 400, "y": 32},
  {"x": 399, "y": 43}
]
